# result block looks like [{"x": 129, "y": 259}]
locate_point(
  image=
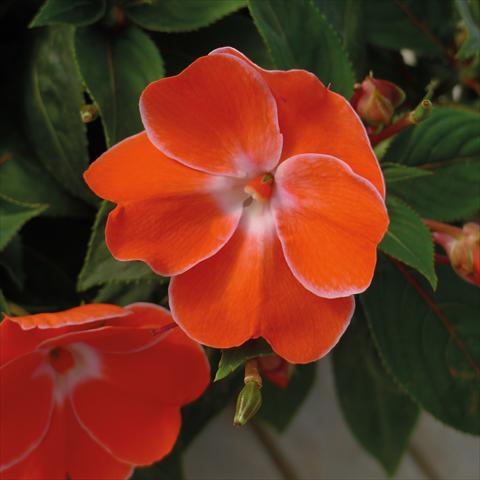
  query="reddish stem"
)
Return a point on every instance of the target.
[{"x": 393, "y": 129}]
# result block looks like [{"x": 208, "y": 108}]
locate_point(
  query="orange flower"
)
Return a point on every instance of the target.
[
  {"x": 93, "y": 391},
  {"x": 259, "y": 192}
]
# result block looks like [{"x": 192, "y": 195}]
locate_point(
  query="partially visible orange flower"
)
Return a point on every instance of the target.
[
  {"x": 375, "y": 100},
  {"x": 259, "y": 192},
  {"x": 93, "y": 391},
  {"x": 462, "y": 246}
]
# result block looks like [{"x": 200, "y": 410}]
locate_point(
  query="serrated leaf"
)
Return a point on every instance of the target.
[
  {"x": 116, "y": 66},
  {"x": 28, "y": 182},
  {"x": 74, "y": 12},
  {"x": 52, "y": 110},
  {"x": 13, "y": 215},
  {"x": 429, "y": 341},
  {"x": 299, "y": 36},
  {"x": 348, "y": 19},
  {"x": 233, "y": 358},
  {"x": 394, "y": 172},
  {"x": 180, "y": 15},
  {"x": 408, "y": 239},
  {"x": 378, "y": 412},
  {"x": 471, "y": 45},
  {"x": 100, "y": 267},
  {"x": 448, "y": 145},
  {"x": 280, "y": 405}
]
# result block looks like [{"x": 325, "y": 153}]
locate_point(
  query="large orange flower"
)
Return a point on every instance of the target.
[
  {"x": 94, "y": 394},
  {"x": 259, "y": 192}
]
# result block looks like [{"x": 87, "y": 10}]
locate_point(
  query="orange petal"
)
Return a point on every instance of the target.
[
  {"x": 330, "y": 221},
  {"x": 156, "y": 360},
  {"x": 68, "y": 452},
  {"x": 74, "y": 316},
  {"x": 135, "y": 169},
  {"x": 171, "y": 235},
  {"x": 15, "y": 342},
  {"x": 133, "y": 430},
  {"x": 26, "y": 404},
  {"x": 313, "y": 119},
  {"x": 247, "y": 290},
  {"x": 217, "y": 116}
]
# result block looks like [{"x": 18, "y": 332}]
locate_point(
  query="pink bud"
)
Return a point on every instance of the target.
[
  {"x": 376, "y": 100},
  {"x": 462, "y": 246},
  {"x": 277, "y": 370}
]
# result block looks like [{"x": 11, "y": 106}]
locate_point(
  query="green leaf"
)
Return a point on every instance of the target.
[
  {"x": 389, "y": 26},
  {"x": 11, "y": 259},
  {"x": 100, "y": 267},
  {"x": 378, "y": 412},
  {"x": 14, "y": 215},
  {"x": 180, "y": 15},
  {"x": 116, "y": 66},
  {"x": 471, "y": 46},
  {"x": 75, "y": 12},
  {"x": 280, "y": 405},
  {"x": 299, "y": 36},
  {"x": 448, "y": 145},
  {"x": 394, "y": 172},
  {"x": 28, "y": 182},
  {"x": 3, "y": 305},
  {"x": 233, "y": 358},
  {"x": 408, "y": 239},
  {"x": 429, "y": 341},
  {"x": 348, "y": 19},
  {"x": 52, "y": 110},
  {"x": 126, "y": 293}
]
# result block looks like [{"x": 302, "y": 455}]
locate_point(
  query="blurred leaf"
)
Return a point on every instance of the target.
[
  {"x": 389, "y": 26},
  {"x": 3, "y": 305},
  {"x": 429, "y": 341},
  {"x": 299, "y": 36},
  {"x": 408, "y": 239},
  {"x": 471, "y": 46},
  {"x": 116, "y": 66},
  {"x": 75, "y": 12},
  {"x": 233, "y": 358},
  {"x": 196, "y": 415},
  {"x": 11, "y": 259},
  {"x": 378, "y": 412},
  {"x": 394, "y": 172},
  {"x": 281, "y": 404},
  {"x": 448, "y": 145},
  {"x": 169, "y": 468},
  {"x": 180, "y": 15},
  {"x": 100, "y": 267},
  {"x": 28, "y": 182},
  {"x": 13, "y": 215},
  {"x": 52, "y": 110}
]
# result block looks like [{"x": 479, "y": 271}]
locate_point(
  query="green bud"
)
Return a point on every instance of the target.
[{"x": 249, "y": 402}]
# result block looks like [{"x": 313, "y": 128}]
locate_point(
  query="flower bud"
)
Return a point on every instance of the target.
[
  {"x": 462, "y": 246},
  {"x": 376, "y": 100},
  {"x": 277, "y": 370},
  {"x": 249, "y": 402}
]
